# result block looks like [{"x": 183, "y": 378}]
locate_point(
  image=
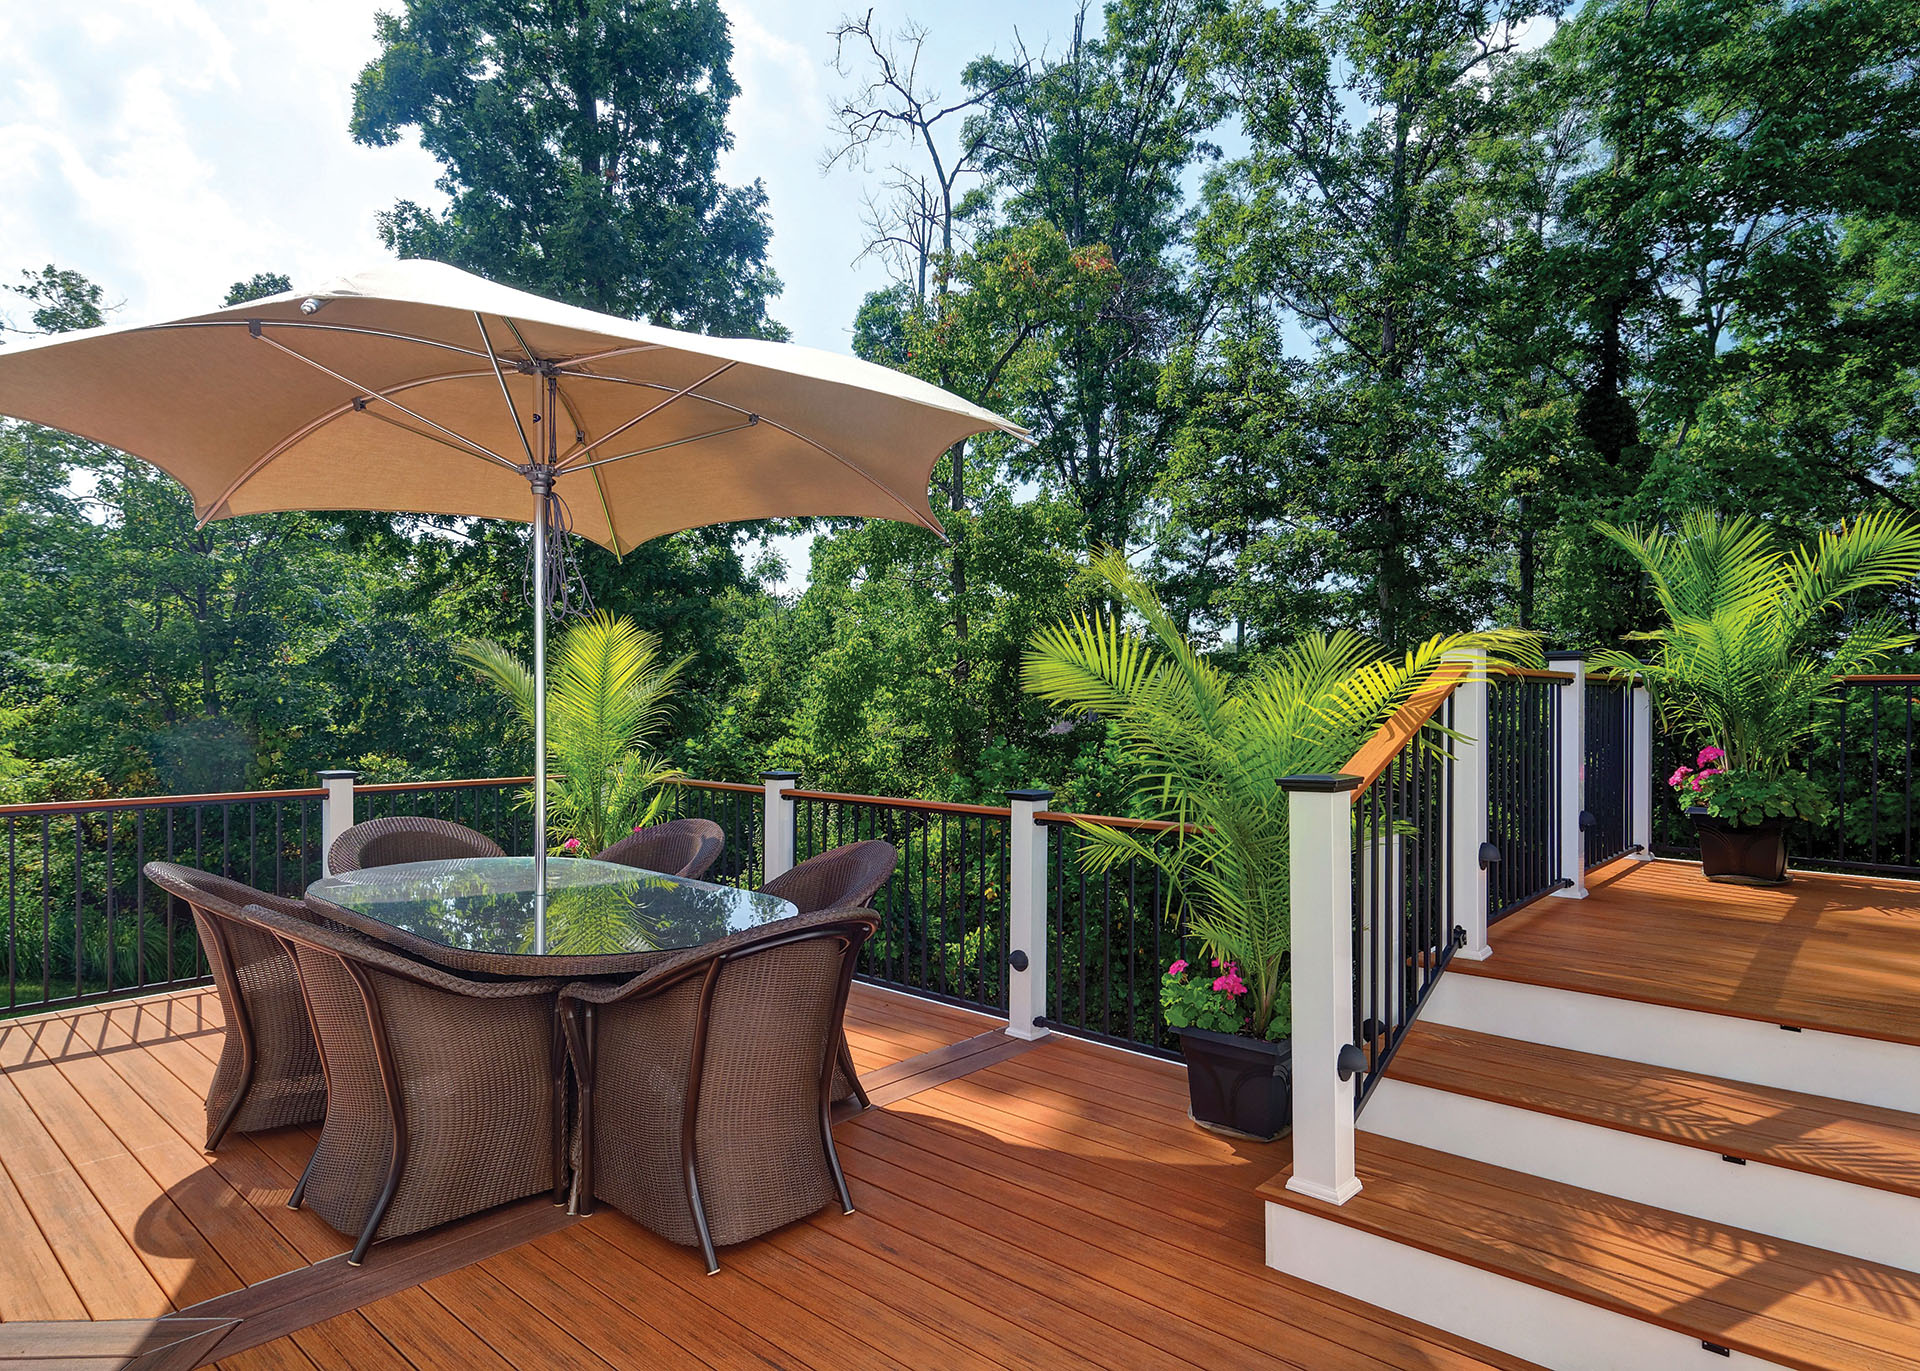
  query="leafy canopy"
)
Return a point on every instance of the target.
[
  {"x": 1211, "y": 749},
  {"x": 607, "y": 694},
  {"x": 1743, "y": 660}
]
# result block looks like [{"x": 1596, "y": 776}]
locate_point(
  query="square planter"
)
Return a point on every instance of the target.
[
  {"x": 1239, "y": 1086},
  {"x": 1741, "y": 856}
]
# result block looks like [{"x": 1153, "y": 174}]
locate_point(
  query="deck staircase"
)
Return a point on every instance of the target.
[{"x": 1712, "y": 1157}]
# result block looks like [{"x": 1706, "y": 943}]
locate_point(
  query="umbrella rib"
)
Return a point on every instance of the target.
[
  {"x": 661, "y": 447},
  {"x": 581, "y": 450},
  {"x": 373, "y": 393},
  {"x": 323, "y": 328},
  {"x": 580, "y": 433},
  {"x": 273, "y": 453},
  {"x": 864, "y": 474},
  {"x": 505, "y": 394}
]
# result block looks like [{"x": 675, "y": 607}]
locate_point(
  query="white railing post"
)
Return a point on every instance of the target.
[
  {"x": 1320, "y": 896},
  {"x": 1468, "y": 821},
  {"x": 1027, "y": 914},
  {"x": 1640, "y": 777},
  {"x": 336, "y": 812},
  {"x": 776, "y": 829},
  {"x": 1570, "y": 785}
]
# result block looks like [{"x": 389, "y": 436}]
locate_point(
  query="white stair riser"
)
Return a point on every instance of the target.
[
  {"x": 1541, "y": 1326},
  {"x": 1835, "y": 1065},
  {"x": 1877, "y": 1225}
]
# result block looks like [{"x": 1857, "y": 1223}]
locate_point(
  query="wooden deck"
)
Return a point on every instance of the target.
[
  {"x": 1839, "y": 953},
  {"x": 1018, "y": 1206}
]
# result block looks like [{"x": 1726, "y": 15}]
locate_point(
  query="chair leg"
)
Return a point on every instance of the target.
[
  {"x": 833, "y": 1156},
  {"x": 853, "y": 1076},
  {"x": 561, "y": 1159},
  {"x": 306, "y": 1173},
  {"x": 700, "y": 1220},
  {"x": 394, "y": 1168},
  {"x": 579, "y": 1030}
]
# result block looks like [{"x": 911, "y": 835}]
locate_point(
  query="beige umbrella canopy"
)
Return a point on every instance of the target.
[{"x": 418, "y": 388}]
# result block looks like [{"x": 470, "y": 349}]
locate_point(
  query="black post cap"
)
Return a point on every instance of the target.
[
  {"x": 779, "y": 775},
  {"x": 1034, "y": 795},
  {"x": 1571, "y": 654},
  {"x": 339, "y": 775},
  {"x": 1321, "y": 784}
]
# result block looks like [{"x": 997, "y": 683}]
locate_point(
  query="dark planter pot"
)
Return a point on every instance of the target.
[
  {"x": 1240, "y": 1086},
  {"x": 1741, "y": 856}
]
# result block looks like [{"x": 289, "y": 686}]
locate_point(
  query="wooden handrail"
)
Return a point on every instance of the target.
[
  {"x": 895, "y": 802},
  {"x": 1530, "y": 674},
  {"x": 161, "y": 801},
  {"x": 1378, "y": 752},
  {"x": 1061, "y": 816},
  {"x": 691, "y": 784},
  {"x": 388, "y": 787},
  {"x": 1878, "y": 680}
]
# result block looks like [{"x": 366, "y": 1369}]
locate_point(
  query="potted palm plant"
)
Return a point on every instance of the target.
[
  {"x": 607, "y": 695},
  {"x": 1748, "y": 665},
  {"x": 1210, "y": 747}
]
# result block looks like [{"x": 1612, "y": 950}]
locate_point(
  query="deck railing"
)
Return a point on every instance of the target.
[
  {"x": 1523, "y": 787},
  {"x": 1863, "y": 755}
]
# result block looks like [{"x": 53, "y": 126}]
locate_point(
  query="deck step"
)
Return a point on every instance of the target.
[
  {"x": 1859, "y": 1144},
  {"x": 1615, "y": 1283}
]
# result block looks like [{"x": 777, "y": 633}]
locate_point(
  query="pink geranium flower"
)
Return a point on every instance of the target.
[
  {"x": 570, "y": 845},
  {"x": 1231, "y": 983},
  {"x": 1679, "y": 776},
  {"x": 1709, "y": 754},
  {"x": 1179, "y": 968}
]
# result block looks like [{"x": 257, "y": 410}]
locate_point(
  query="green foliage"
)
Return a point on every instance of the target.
[
  {"x": 1746, "y": 798},
  {"x": 607, "y": 696},
  {"x": 1748, "y": 656},
  {"x": 1188, "y": 999},
  {"x": 580, "y": 146},
  {"x": 1210, "y": 748}
]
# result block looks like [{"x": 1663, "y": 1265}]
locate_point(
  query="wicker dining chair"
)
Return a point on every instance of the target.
[
  {"x": 679, "y": 847},
  {"x": 406, "y": 838},
  {"x": 845, "y": 877},
  {"x": 269, "y": 1074},
  {"x": 442, "y": 1093},
  {"x": 705, "y": 1083}
]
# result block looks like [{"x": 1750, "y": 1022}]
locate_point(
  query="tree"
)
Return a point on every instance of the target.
[
  {"x": 1325, "y": 419},
  {"x": 257, "y": 287},
  {"x": 579, "y": 143},
  {"x": 1094, "y": 144}
]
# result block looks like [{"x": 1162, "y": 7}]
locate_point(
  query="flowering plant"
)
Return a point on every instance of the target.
[
  {"x": 1747, "y": 798},
  {"x": 1214, "y": 998}
]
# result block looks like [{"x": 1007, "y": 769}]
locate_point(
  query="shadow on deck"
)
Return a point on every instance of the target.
[{"x": 1049, "y": 1206}]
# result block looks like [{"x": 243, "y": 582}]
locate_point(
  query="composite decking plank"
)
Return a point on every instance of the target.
[
  {"x": 108, "y": 1276},
  {"x": 1075, "y": 1315},
  {"x": 1858, "y": 1143},
  {"x": 1109, "y": 1281},
  {"x": 1225, "y": 1272},
  {"x": 531, "y": 1339},
  {"x": 428, "y": 1336},
  {"x": 797, "y": 1332},
  {"x": 702, "y": 1333},
  {"x": 1622, "y": 1257},
  {"x": 612, "y": 1328},
  {"x": 1836, "y": 953},
  {"x": 33, "y": 1286}
]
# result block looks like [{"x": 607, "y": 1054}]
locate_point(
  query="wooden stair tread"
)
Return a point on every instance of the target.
[
  {"x": 1795, "y": 1305},
  {"x": 1858, "y": 1143},
  {"x": 1839, "y": 954}
]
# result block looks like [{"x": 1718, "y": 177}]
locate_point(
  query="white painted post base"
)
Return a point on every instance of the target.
[
  {"x": 1027, "y": 915},
  {"x": 1320, "y": 891},
  {"x": 776, "y": 829},
  {"x": 336, "y": 812},
  {"x": 1468, "y": 820},
  {"x": 1640, "y": 779},
  {"x": 1571, "y": 783}
]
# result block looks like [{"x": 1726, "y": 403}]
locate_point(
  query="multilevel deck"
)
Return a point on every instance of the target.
[
  {"x": 1855, "y": 1143},
  {"x": 1840, "y": 954},
  {"x": 1049, "y": 1207},
  {"x": 1778, "y": 1301}
]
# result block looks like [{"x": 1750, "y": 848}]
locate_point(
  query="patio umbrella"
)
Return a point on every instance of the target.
[{"x": 418, "y": 388}]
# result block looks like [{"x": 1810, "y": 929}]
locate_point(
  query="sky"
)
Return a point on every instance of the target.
[{"x": 168, "y": 148}]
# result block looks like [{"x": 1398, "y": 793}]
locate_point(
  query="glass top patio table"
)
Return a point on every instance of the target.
[{"x": 478, "y": 913}]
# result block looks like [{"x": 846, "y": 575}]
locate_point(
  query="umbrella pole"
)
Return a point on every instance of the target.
[{"x": 542, "y": 483}]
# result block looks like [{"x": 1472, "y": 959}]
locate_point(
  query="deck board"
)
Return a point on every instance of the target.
[
  {"x": 1829, "y": 952},
  {"x": 1051, "y": 1203}
]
